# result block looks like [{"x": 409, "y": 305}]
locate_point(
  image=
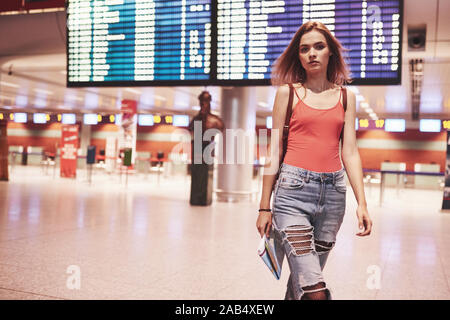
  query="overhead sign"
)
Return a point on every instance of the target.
[
  {"x": 223, "y": 42},
  {"x": 369, "y": 124},
  {"x": 138, "y": 41}
]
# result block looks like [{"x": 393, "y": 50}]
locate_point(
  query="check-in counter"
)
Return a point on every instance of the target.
[
  {"x": 177, "y": 164},
  {"x": 143, "y": 162},
  {"x": 81, "y": 159},
  {"x": 427, "y": 182},
  {"x": 391, "y": 179},
  {"x": 57, "y": 157},
  {"x": 14, "y": 154},
  {"x": 35, "y": 155}
]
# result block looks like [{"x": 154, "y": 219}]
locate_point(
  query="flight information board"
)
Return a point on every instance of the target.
[
  {"x": 222, "y": 42},
  {"x": 252, "y": 34},
  {"x": 138, "y": 41}
]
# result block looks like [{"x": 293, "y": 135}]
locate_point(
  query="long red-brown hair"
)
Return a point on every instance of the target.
[{"x": 288, "y": 68}]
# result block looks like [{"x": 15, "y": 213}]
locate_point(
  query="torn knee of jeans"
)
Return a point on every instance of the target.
[
  {"x": 322, "y": 246},
  {"x": 318, "y": 291},
  {"x": 300, "y": 239}
]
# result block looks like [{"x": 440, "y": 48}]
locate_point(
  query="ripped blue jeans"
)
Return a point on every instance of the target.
[{"x": 308, "y": 209}]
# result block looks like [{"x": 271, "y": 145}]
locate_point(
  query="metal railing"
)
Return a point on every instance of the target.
[{"x": 400, "y": 180}]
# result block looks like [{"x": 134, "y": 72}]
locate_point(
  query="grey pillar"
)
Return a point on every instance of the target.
[
  {"x": 85, "y": 138},
  {"x": 85, "y": 141},
  {"x": 235, "y": 169}
]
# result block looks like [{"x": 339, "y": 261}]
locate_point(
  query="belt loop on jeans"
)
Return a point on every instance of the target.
[
  {"x": 307, "y": 177},
  {"x": 334, "y": 178}
]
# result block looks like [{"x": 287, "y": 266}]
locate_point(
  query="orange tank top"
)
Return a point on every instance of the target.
[{"x": 313, "y": 140}]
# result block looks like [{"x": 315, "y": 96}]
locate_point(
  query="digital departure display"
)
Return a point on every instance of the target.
[
  {"x": 138, "y": 41},
  {"x": 221, "y": 42},
  {"x": 252, "y": 34}
]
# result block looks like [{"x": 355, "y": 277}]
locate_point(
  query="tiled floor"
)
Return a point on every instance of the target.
[{"x": 144, "y": 241}]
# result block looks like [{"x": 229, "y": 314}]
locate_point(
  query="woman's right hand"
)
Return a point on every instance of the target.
[{"x": 264, "y": 223}]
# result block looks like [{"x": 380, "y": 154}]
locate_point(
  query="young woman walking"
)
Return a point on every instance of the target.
[{"x": 310, "y": 192}]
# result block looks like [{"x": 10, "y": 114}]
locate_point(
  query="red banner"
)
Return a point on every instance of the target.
[{"x": 69, "y": 149}]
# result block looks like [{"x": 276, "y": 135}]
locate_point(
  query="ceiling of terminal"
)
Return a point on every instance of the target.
[{"x": 33, "y": 76}]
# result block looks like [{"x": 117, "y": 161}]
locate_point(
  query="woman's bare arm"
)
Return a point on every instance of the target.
[
  {"x": 278, "y": 118},
  {"x": 353, "y": 167},
  {"x": 264, "y": 222}
]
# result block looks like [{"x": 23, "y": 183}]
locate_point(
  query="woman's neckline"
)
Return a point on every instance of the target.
[{"x": 322, "y": 109}]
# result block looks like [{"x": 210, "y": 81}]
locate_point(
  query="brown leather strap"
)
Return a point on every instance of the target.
[
  {"x": 344, "y": 98},
  {"x": 287, "y": 120},
  {"x": 344, "y": 93}
]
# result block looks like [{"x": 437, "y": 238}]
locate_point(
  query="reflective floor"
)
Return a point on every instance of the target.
[{"x": 143, "y": 241}]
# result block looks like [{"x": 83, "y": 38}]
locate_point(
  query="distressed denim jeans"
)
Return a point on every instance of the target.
[{"x": 308, "y": 209}]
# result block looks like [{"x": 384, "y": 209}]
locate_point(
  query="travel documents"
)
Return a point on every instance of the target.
[{"x": 267, "y": 254}]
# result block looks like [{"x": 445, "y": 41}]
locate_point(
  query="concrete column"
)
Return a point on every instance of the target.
[
  {"x": 85, "y": 141},
  {"x": 235, "y": 168},
  {"x": 85, "y": 138}
]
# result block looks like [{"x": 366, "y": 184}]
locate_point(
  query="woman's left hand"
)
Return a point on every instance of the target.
[{"x": 364, "y": 221}]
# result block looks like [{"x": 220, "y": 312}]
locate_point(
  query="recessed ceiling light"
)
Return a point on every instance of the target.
[
  {"x": 364, "y": 104},
  {"x": 359, "y": 97},
  {"x": 354, "y": 89},
  {"x": 74, "y": 98},
  {"x": 9, "y": 84},
  {"x": 135, "y": 91},
  {"x": 263, "y": 104},
  {"x": 43, "y": 91},
  {"x": 160, "y": 97}
]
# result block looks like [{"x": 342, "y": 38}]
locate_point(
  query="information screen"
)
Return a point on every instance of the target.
[
  {"x": 138, "y": 41},
  {"x": 222, "y": 42},
  {"x": 253, "y": 34}
]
